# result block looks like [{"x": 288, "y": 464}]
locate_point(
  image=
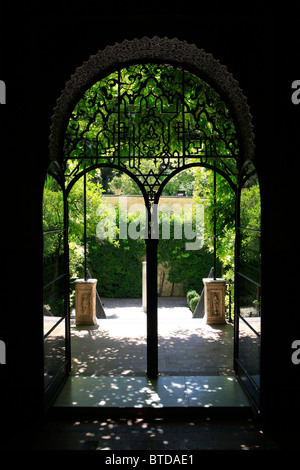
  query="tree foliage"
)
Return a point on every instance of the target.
[
  {"x": 151, "y": 113},
  {"x": 144, "y": 110},
  {"x": 220, "y": 207},
  {"x": 146, "y": 118},
  {"x": 250, "y": 222}
]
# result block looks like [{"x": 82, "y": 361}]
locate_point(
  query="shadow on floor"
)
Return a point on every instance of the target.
[
  {"x": 155, "y": 434},
  {"x": 117, "y": 346}
]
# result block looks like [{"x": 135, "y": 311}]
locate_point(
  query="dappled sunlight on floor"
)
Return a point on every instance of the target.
[
  {"x": 142, "y": 392},
  {"x": 159, "y": 434},
  {"x": 109, "y": 374},
  {"x": 117, "y": 345}
]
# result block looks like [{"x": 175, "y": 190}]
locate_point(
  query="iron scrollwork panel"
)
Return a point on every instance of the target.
[{"x": 151, "y": 112}]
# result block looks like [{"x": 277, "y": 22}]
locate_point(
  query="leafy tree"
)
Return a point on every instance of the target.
[
  {"x": 185, "y": 180},
  {"x": 97, "y": 208},
  {"x": 250, "y": 210},
  {"x": 186, "y": 267},
  {"x": 223, "y": 208},
  {"x": 250, "y": 216},
  {"x": 148, "y": 116},
  {"x": 53, "y": 246},
  {"x": 127, "y": 184},
  {"x": 151, "y": 111},
  {"x": 53, "y": 217}
]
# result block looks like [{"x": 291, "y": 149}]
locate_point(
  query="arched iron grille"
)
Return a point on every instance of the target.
[
  {"x": 151, "y": 111},
  {"x": 190, "y": 113}
]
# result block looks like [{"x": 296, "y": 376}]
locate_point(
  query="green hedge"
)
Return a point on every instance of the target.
[
  {"x": 190, "y": 267},
  {"x": 118, "y": 269},
  {"x": 117, "y": 264}
]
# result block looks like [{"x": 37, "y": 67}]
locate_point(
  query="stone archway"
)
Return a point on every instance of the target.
[{"x": 161, "y": 51}]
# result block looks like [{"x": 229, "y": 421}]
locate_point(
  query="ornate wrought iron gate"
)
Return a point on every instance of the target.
[{"x": 157, "y": 100}]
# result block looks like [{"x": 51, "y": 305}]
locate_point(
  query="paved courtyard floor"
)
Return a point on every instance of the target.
[
  {"x": 109, "y": 365},
  {"x": 116, "y": 346},
  {"x": 195, "y": 367}
]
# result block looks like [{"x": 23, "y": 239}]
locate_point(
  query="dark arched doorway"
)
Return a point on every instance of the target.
[{"x": 152, "y": 99}]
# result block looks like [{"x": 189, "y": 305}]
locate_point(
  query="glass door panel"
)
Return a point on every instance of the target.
[
  {"x": 54, "y": 351},
  {"x": 249, "y": 329},
  {"x": 55, "y": 278},
  {"x": 248, "y": 286}
]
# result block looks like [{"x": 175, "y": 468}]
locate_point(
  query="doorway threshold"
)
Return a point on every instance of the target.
[{"x": 141, "y": 394}]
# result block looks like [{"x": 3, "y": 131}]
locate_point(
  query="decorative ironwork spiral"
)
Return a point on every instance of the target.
[{"x": 154, "y": 112}]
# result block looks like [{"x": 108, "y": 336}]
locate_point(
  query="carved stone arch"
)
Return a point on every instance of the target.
[{"x": 161, "y": 50}]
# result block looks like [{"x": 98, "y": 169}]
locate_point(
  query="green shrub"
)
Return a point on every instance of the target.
[
  {"x": 192, "y": 299},
  {"x": 190, "y": 295},
  {"x": 193, "y": 302}
]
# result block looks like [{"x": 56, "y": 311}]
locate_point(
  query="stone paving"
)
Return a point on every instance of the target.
[
  {"x": 117, "y": 345},
  {"x": 163, "y": 435}
]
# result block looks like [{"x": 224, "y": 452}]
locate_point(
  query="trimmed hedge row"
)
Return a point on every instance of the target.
[{"x": 118, "y": 268}]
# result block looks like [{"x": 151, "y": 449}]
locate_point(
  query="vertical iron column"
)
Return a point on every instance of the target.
[
  {"x": 84, "y": 225},
  {"x": 152, "y": 337},
  {"x": 215, "y": 225},
  {"x": 236, "y": 276},
  {"x": 67, "y": 283}
]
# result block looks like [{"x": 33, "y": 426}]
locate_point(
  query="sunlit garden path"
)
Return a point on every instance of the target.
[{"x": 117, "y": 345}]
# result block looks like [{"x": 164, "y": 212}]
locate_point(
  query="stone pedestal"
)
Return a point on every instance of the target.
[
  {"x": 85, "y": 302},
  {"x": 144, "y": 287},
  {"x": 214, "y": 300}
]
